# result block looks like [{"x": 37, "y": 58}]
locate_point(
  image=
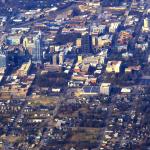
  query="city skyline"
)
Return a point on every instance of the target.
[{"x": 74, "y": 75}]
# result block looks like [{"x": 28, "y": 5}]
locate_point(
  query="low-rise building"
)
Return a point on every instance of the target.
[
  {"x": 105, "y": 88},
  {"x": 113, "y": 66}
]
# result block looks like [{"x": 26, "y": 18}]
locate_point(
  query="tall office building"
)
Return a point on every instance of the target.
[
  {"x": 2, "y": 60},
  {"x": 86, "y": 43},
  {"x": 80, "y": 59},
  {"x": 61, "y": 58},
  {"x": 55, "y": 59},
  {"x": 37, "y": 50},
  {"x": 146, "y": 23},
  {"x": 78, "y": 42}
]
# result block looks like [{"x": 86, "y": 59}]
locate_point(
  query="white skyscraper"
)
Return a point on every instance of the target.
[{"x": 37, "y": 50}]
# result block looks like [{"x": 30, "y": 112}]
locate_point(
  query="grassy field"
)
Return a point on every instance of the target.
[
  {"x": 85, "y": 134},
  {"x": 43, "y": 100}
]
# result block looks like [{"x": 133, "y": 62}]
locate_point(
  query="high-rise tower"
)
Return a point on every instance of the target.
[
  {"x": 37, "y": 50},
  {"x": 86, "y": 43}
]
